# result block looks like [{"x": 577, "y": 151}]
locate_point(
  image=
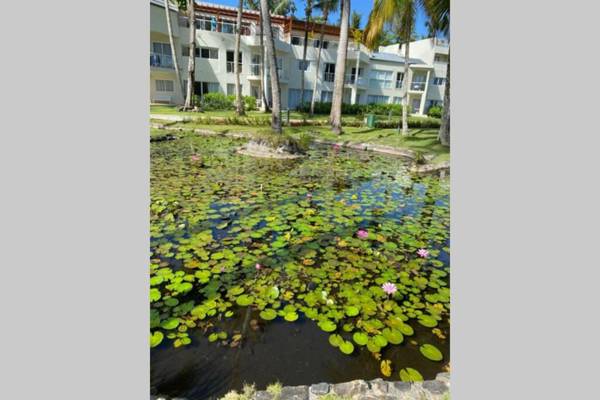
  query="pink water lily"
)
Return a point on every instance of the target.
[
  {"x": 309, "y": 195},
  {"x": 362, "y": 234},
  {"x": 336, "y": 147},
  {"x": 258, "y": 266},
  {"x": 195, "y": 157},
  {"x": 423, "y": 253},
  {"x": 389, "y": 288}
]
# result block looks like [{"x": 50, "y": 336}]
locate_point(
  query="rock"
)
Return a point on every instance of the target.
[
  {"x": 443, "y": 377},
  {"x": 318, "y": 389},
  {"x": 399, "y": 389},
  {"x": 350, "y": 389},
  {"x": 435, "y": 387},
  {"x": 294, "y": 393},
  {"x": 379, "y": 387},
  {"x": 263, "y": 395}
]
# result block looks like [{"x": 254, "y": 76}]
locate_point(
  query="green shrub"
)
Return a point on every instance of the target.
[
  {"x": 250, "y": 103},
  {"x": 355, "y": 109},
  {"x": 435, "y": 111},
  {"x": 275, "y": 140},
  {"x": 413, "y": 122},
  {"x": 217, "y": 102}
]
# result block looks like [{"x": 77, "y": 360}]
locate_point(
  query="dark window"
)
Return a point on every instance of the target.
[
  {"x": 206, "y": 52},
  {"x": 296, "y": 40},
  {"x": 303, "y": 65},
  {"x": 230, "y": 55}
]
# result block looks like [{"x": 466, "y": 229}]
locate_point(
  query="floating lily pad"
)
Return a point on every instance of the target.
[
  {"x": 335, "y": 340},
  {"x": 427, "y": 320},
  {"x": 360, "y": 338},
  {"x": 244, "y": 300},
  {"x": 327, "y": 326},
  {"x": 393, "y": 336},
  {"x": 346, "y": 347},
  {"x": 291, "y": 316},
  {"x": 156, "y": 338},
  {"x": 268, "y": 314},
  {"x": 431, "y": 352},
  {"x": 170, "y": 323},
  {"x": 352, "y": 311},
  {"x": 410, "y": 375}
]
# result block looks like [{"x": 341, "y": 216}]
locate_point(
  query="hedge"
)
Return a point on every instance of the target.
[{"x": 355, "y": 109}]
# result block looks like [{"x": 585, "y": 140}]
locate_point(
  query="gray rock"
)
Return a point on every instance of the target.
[
  {"x": 379, "y": 387},
  {"x": 263, "y": 395},
  {"x": 294, "y": 393},
  {"x": 399, "y": 389},
  {"x": 351, "y": 389},
  {"x": 443, "y": 377},
  {"x": 319, "y": 389},
  {"x": 435, "y": 387}
]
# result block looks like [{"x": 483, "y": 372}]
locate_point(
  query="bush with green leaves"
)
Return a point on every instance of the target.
[
  {"x": 250, "y": 103},
  {"x": 217, "y": 102},
  {"x": 355, "y": 109},
  {"x": 435, "y": 111}
]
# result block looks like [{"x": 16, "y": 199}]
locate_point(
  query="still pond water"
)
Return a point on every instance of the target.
[{"x": 270, "y": 270}]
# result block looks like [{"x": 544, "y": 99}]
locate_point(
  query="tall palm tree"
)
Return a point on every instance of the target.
[
  {"x": 401, "y": 15},
  {"x": 167, "y": 4},
  {"x": 326, "y": 6},
  {"x": 357, "y": 36},
  {"x": 255, "y": 5},
  {"x": 189, "y": 98},
  {"x": 438, "y": 12},
  {"x": 239, "y": 105},
  {"x": 308, "y": 8},
  {"x": 272, "y": 59},
  {"x": 340, "y": 69}
]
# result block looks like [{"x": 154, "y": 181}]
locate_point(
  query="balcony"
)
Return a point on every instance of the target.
[
  {"x": 255, "y": 70},
  {"x": 398, "y": 84},
  {"x": 231, "y": 67},
  {"x": 350, "y": 79},
  {"x": 329, "y": 76},
  {"x": 161, "y": 61},
  {"x": 417, "y": 86}
]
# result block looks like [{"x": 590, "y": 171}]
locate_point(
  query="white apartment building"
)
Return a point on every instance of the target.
[{"x": 371, "y": 77}]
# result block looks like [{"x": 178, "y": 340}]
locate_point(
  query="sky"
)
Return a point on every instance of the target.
[{"x": 361, "y": 6}]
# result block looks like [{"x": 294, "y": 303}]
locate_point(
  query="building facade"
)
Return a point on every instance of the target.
[{"x": 371, "y": 77}]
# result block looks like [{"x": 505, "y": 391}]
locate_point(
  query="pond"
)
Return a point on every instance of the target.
[{"x": 328, "y": 268}]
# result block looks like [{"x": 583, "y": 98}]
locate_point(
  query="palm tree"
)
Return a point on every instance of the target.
[
  {"x": 255, "y": 5},
  {"x": 172, "y": 43},
  {"x": 401, "y": 15},
  {"x": 189, "y": 98},
  {"x": 308, "y": 13},
  {"x": 438, "y": 12},
  {"x": 326, "y": 6},
  {"x": 340, "y": 69},
  {"x": 357, "y": 36},
  {"x": 239, "y": 105},
  {"x": 272, "y": 59}
]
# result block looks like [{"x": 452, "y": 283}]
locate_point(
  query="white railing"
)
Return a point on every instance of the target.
[
  {"x": 161, "y": 60},
  {"x": 351, "y": 79},
  {"x": 231, "y": 67},
  {"x": 255, "y": 69},
  {"x": 329, "y": 76},
  {"x": 441, "y": 42},
  {"x": 417, "y": 86},
  {"x": 398, "y": 84}
]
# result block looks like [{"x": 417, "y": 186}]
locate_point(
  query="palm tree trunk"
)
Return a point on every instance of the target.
[
  {"x": 263, "y": 75},
  {"x": 189, "y": 98},
  {"x": 239, "y": 106},
  {"x": 321, "y": 37},
  {"x": 405, "y": 83},
  {"x": 308, "y": 9},
  {"x": 354, "y": 101},
  {"x": 340, "y": 69},
  {"x": 173, "y": 52},
  {"x": 275, "y": 91},
  {"x": 444, "y": 134}
]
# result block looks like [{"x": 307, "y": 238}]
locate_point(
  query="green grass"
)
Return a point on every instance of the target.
[
  {"x": 422, "y": 140},
  {"x": 165, "y": 109}
]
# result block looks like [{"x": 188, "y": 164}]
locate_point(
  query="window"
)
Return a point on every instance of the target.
[
  {"x": 230, "y": 57},
  {"x": 316, "y": 43},
  {"x": 294, "y": 97},
  {"x": 231, "y": 89},
  {"x": 207, "y": 52},
  {"x": 297, "y": 41},
  {"x": 329, "y": 74},
  {"x": 185, "y": 51},
  {"x": 399, "y": 78},
  {"x": 164, "y": 86},
  {"x": 380, "y": 79},
  {"x": 228, "y": 26},
  {"x": 377, "y": 99},
  {"x": 441, "y": 58},
  {"x": 161, "y": 48},
  {"x": 201, "y": 88},
  {"x": 206, "y": 23},
  {"x": 303, "y": 65},
  {"x": 439, "y": 81},
  {"x": 397, "y": 100},
  {"x": 326, "y": 96},
  {"x": 418, "y": 82}
]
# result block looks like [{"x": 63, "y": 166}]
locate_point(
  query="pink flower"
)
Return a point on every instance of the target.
[
  {"x": 389, "y": 288},
  {"x": 258, "y": 266},
  {"x": 362, "y": 234},
  {"x": 195, "y": 157},
  {"x": 423, "y": 253},
  {"x": 336, "y": 147},
  {"x": 309, "y": 195}
]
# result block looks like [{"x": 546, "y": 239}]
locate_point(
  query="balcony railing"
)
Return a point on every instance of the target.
[
  {"x": 247, "y": 29},
  {"x": 398, "y": 84},
  {"x": 351, "y": 79},
  {"x": 417, "y": 86},
  {"x": 441, "y": 42},
  {"x": 161, "y": 60},
  {"x": 231, "y": 67},
  {"x": 255, "y": 69},
  {"x": 329, "y": 76}
]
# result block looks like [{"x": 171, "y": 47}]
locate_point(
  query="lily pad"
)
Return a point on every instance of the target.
[
  {"x": 360, "y": 338},
  {"x": 410, "y": 375},
  {"x": 170, "y": 323},
  {"x": 291, "y": 316},
  {"x": 427, "y": 321},
  {"x": 393, "y": 336},
  {"x": 156, "y": 338},
  {"x": 268, "y": 314},
  {"x": 347, "y": 347},
  {"x": 352, "y": 311},
  {"x": 327, "y": 326},
  {"x": 431, "y": 352},
  {"x": 244, "y": 300}
]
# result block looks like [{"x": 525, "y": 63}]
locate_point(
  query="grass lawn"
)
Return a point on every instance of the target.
[{"x": 422, "y": 140}]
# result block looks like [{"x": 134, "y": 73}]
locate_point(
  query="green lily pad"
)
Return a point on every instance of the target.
[
  {"x": 170, "y": 323},
  {"x": 393, "y": 336},
  {"x": 156, "y": 338},
  {"x": 335, "y": 340},
  {"x": 360, "y": 338},
  {"x": 244, "y": 300},
  {"x": 327, "y": 325},
  {"x": 291, "y": 316},
  {"x": 352, "y": 311},
  {"x": 431, "y": 352},
  {"x": 410, "y": 375},
  {"x": 171, "y": 301},
  {"x": 346, "y": 347},
  {"x": 406, "y": 329},
  {"x": 427, "y": 320},
  {"x": 154, "y": 294},
  {"x": 268, "y": 314}
]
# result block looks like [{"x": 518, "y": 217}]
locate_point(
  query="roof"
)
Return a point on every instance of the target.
[{"x": 390, "y": 57}]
